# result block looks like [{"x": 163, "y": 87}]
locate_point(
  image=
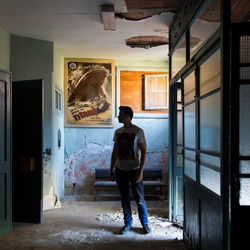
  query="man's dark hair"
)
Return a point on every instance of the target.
[{"x": 127, "y": 111}]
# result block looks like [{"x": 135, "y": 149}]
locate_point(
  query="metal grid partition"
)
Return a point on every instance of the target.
[{"x": 240, "y": 132}]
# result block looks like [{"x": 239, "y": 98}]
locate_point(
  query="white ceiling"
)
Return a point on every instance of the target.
[{"x": 77, "y": 29}]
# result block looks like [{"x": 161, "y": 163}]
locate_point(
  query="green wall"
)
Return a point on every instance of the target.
[
  {"x": 34, "y": 59},
  {"x": 58, "y": 124},
  {"x": 4, "y": 50}
]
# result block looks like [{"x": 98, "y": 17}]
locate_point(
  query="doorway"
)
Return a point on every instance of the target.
[
  {"x": 201, "y": 143},
  {"x": 27, "y": 141}
]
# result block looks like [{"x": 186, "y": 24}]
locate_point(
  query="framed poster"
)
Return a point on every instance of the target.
[{"x": 89, "y": 92}]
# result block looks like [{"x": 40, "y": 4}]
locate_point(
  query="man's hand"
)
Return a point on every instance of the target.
[
  {"x": 111, "y": 175},
  {"x": 139, "y": 176},
  {"x": 143, "y": 148},
  {"x": 113, "y": 160}
]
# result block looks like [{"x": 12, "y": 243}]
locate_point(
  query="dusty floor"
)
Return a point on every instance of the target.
[{"x": 81, "y": 223}]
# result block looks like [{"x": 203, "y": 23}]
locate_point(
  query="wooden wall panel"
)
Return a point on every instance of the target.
[{"x": 131, "y": 89}]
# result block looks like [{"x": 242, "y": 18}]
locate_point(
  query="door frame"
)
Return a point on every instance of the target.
[
  {"x": 173, "y": 149},
  {"x": 180, "y": 26},
  {"x": 6, "y": 224},
  {"x": 203, "y": 195},
  {"x": 239, "y": 212}
]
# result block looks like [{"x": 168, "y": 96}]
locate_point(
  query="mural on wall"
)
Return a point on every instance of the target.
[{"x": 89, "y": 92}]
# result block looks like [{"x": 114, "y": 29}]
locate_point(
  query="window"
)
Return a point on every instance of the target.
[
  {"x": 204, "y": 26},
  {"x": 58, "y": 100},
  {"x": 156, "y": 92},
  {"x": 179, "y": 56}
]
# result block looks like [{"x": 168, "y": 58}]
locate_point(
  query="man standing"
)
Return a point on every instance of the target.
[{"x": 128, "y": 159}]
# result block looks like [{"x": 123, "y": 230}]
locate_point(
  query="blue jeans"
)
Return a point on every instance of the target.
[{"x": 123, "y": 180}]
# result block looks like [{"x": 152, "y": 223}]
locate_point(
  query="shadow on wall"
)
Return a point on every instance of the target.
[{"x": 79, "y": 172}]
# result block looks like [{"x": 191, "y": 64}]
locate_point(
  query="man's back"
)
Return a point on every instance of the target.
[{"x": 127, "y": 140}]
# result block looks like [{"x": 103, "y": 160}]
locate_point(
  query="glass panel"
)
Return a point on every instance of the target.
[
  {"x": 178, "y": 95},
  {"x": 244, "y": 120},
  {"x": 179, "y": 127},
  {"x": 210, "y": 123},
  {"x": 179, "y": 56},
  {"x": 244, "y": 167},
  {"x": 60, "y": 101},
  {"x": 204, "y": 26},
  {"x": 2, "y": 119},
  {"x": 244, "y": 73},
  {"x": 245, "y": 49},
  {"x": 179, "y": 157},
  {"x": 190, "y": 164},
  {"x": 179, "y": 102},
  {"x": 179, "y": 140},
  {"x": 211, "y": 160},
  {"x": 210, "y": 74},
  {"x": 210, "y": 172},
  {"x": 56, "y": 99},
  {"x": 179, "y": 198},
  {"x": 189, "y": 126},
  {"x": 245, "y": 191},
  {"x": 189, "y": 87}
]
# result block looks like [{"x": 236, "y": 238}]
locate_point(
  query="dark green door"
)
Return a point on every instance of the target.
[{"x": 5, "y": 153}]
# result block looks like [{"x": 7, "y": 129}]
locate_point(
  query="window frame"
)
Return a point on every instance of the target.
[
  {"x": 145, "y": 92},
  {"x": 58, "y": 101}
]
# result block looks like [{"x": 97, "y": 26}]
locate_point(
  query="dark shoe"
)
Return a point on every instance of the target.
[
  {"x": 125, "y": 229},
  {"x": 146, "y": 229}
]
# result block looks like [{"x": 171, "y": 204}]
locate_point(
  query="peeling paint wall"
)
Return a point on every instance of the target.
[
  {"x": 80, "y": 167},
  {"x": 90, "y": 148}
]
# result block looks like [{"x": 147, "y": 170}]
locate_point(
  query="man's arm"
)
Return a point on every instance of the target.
[
  {"x": 143, "y": 149},
  {"x": 113, "y": 160}
]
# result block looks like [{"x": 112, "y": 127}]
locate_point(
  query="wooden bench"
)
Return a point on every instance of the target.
[{"x": 151, "y": 178}]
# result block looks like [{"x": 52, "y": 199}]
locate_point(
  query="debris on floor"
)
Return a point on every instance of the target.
[
  {"x": 71, "y": 238},
  {"x": 81, "y": 223},
  {"x": 159, "y": 225}
]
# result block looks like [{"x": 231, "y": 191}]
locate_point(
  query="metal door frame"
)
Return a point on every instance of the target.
[
  {"x": 239, "y": 212},
  {"x": 6, "y": 224},
  {"x": 173, "y": 147}
]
